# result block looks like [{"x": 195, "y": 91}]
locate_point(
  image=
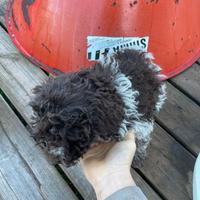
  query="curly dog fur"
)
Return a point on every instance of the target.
[{"x": 99, "y": 104}]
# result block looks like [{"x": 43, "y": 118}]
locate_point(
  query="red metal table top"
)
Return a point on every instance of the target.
[{"x": 53, "y": 34}]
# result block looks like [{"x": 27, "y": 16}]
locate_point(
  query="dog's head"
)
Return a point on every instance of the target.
[{"x": 74, "y": 111}]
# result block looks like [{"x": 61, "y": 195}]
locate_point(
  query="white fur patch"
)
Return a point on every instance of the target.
[
  {"x": 143, "y": 129},
  {"x": 155, "y": 67},
  {"x": 128, "y": 94},
  {"x": 132, "y": 119},
  {"x": 59, "y": 151},
  {"x": 162, "y": 76},
  {"x": 152, "y": 66},
  {"x": 125, "y": 89},
  {"x": 162, "y": 97},
  {"x": 149, "y": 56}
]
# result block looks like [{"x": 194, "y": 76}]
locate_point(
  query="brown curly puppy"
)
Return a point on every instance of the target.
[{"x": 98, "y": 104}]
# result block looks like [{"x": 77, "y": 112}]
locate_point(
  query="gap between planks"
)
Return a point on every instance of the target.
[{"x": 188, "y": 82}]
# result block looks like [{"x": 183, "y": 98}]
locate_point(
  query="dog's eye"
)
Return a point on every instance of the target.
[{"x": 42, "y": 109}]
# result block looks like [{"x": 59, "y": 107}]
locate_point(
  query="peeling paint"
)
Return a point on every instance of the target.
[
  {"x": 25, "y": 6},
  {"x": 114, "y": 3},
  {"x": 131, "y": 4},
  {"x": 154, "y": 1},
  {"x": 177, "y": 1}
]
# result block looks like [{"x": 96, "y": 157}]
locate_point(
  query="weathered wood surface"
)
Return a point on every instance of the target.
[
  {"x": 24, "y": 166},
  {"x": 76, "y": 174},
  {"x": 15, "y": 180},
  {"x": 173, "y": 182},
  {"x": 14, "y": 67},
  {"x": 150, "y": 194},
  {"x": 170, "y": 166},
  {"x": 182, "y": 117},
  {"x": 17, "y": 74},
  {"x": 3, "y": 7},
  {"x": 189, "y": 81}
]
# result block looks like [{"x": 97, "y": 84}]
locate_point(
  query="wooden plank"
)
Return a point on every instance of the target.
[
  {"x": 50, "y": 184},
  {"x": 3, "y": 7},
  {"x": 17, "y": 74},
  {"x": 6, "y": 192},
  {"x": 150, "y": 194},
  {"x": 76, "y": 174},
  {"x": 15, "y": 180},
  {"x": 14, "y": 67},
  {"x": 189, "y": 82},
  {"x": 182, "y": 117},
  {"x": 169, "y": 167}
]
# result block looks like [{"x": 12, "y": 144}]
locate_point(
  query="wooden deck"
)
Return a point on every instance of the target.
[{"x": 24, "y": 171}]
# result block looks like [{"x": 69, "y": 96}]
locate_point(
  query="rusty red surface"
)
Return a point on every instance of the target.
[{"x": 53, "y": 34}]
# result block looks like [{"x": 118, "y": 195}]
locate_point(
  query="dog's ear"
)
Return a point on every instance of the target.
[{"x": 37, "y": 101}]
